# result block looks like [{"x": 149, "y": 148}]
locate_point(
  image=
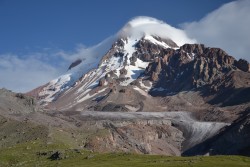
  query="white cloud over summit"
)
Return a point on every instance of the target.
[
  {"x": 143, "y": 25},
  {"x": 228, "y": 28}
]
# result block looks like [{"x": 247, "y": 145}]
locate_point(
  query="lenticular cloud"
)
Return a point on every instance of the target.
[{"x": 143, "y": 25}]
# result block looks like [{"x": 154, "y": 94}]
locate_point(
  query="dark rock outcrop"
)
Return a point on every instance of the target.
[
  {"x": 74, "y": 64},
  {"x": 57, "y": 156},
  {"x": 102, "y": 82},
  {"x": 243, "y": 65},
  {"x": 192, "y": 66}
]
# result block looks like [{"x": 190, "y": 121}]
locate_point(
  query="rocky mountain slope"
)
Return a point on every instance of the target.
[
  {"x": 149, "y": 70},
  {"x": 16, "y": 103},
  {"x": 166, "y": 133},
  {"x": 149, "y": 66}
]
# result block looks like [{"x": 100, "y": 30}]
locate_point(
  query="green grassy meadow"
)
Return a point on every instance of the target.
[{"x": 37, "y": 154}]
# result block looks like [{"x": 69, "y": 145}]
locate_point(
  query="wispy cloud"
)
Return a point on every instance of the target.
[
  {"x": 227, "y": 28},
  {"x": 22, "y": 74},
  {"x": 88, "y": 54}
]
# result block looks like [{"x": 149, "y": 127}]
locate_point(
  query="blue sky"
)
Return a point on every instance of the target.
[
  {"x": 32, "y": 32},
  {"x": 29, "y": 25}
]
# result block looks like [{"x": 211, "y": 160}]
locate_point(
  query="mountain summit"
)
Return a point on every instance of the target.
[
  {"x": 147, "y": 26},
  {"x": 150, "y": 66}
]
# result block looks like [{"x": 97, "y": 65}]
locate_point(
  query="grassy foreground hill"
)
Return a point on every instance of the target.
[{"x": 36, "y": 153}]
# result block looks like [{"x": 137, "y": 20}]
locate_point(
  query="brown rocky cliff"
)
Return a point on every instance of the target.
[
  {"x": 243, "y": 65},
  {"x": 192, "y": 66}
]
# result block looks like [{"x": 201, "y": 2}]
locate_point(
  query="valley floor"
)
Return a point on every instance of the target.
[{"x": 38, "y": 154}]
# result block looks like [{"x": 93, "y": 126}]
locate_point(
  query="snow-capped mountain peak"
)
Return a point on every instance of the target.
[
  {"x": 115, "y": 54},
  {"x": 142, "y": 26}
]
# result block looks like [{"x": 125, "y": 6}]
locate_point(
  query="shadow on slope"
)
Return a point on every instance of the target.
[{"x": 232, "y": 140}]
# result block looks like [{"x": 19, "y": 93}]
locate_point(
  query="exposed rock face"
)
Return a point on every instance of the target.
[
  {"x": 123, "y": 71},
  {"x": 16, "y": 103},
  {"x": 194, "y": 48},
  {"x": 192, "y": 66},
  {"x": 168, "y": 133},
  {"x": 147, "y": 138},
  {"x": 120, "y": 99},
  {"x": 169, "y": 42},
  {"x": 115, "y": 50},
  {"x": 147, "y": 51},
  {"x": 243, "y": 65}
]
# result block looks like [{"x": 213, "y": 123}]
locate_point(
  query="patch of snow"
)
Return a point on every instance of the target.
[
  {"x": 105, "y": 83},
  {"x": 141, "y": 64},
  {"x": 88, "y": 96},
  {"x": 133, "y": 73},
  {"x": 191, "y": 56},
  {"x": 55, "y": 86},
  {"x": 129, "y": 48},
  {"x": 132, "y": 108}
]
